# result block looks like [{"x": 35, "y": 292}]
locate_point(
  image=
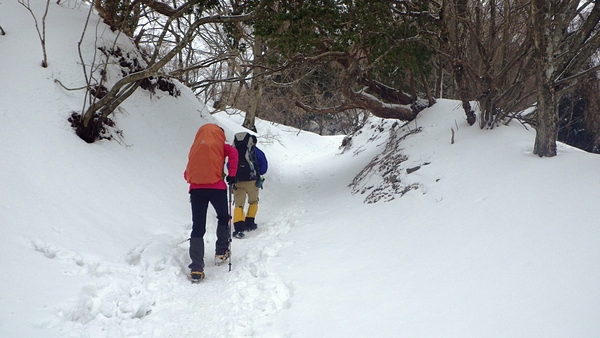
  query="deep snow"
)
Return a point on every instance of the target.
[{"x": 493, "y": 242}]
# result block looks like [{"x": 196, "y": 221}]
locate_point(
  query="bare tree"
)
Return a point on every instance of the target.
[
  {"x": 566, "y": 36},
  {"x": 488, "y": 44},
  {"x": 97, "y": 113},
  {"x": 455, "y": 43},
  {"x": 505, "y": 70},
  {"x": 235, "y": 37},
  {"x": 317, "y": 85},
  {"x": 257, "y": 85},
  {"x": 42, "y": 33}
]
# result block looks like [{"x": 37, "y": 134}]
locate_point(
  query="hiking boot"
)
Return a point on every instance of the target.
[
  {"x": 197, "y": 276},
  {"x": 239, "y": 226},
  {"x": 238, "y": 234},
  {"x": 250, "y": 225},
  {"x": 220, "y": 259}
]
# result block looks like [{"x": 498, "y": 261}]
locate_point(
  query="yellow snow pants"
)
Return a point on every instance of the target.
[{"x": 245, "y": 189}]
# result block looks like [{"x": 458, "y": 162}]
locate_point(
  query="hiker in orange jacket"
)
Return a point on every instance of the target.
[{"x": 204, "y": 173}]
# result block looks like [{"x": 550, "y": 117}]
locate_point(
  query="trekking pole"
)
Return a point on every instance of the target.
[{"x": 229, "y": 225}]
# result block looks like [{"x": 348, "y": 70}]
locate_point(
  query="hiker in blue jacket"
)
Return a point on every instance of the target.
[{"x": 252, "y": 165}]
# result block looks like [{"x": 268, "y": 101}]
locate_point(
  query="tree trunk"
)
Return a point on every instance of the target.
[
  {"x": 457, "y": 49},
  {"x": 232, "y": 65},
  {"x": 547, "y": 108},
  {"x": 546, "y": 122},
  {"x": 413, "y": 86},
  {"x": 463, "y": 91},
  {"x": 223, "y": 101},
  {"x": 257, "y": 86},
  {"x": 430, "y": 98},
  {"x": 439, "y": 81},
  {"x": 461, "y": 48},
  {"x": 487, "y": 101},
  {"x": 591, "y": 117}
]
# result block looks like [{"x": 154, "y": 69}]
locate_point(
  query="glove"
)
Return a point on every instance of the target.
[
  {"x": 259, "y": 182},
  {"x": 231, "y": 180}
]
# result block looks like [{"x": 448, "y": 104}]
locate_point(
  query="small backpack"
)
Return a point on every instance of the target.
[{"x": 247, "y": 164}]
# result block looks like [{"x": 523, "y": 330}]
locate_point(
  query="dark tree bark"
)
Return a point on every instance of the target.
[
  {"x": 546, "y": 118},
  {"x": 257, "y": 86},
  {"x": 565, "y": 38},
  {"x": 457, "y": 49}
]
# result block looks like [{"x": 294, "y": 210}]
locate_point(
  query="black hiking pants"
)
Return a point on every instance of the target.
[{"x": 199, "y": 199}]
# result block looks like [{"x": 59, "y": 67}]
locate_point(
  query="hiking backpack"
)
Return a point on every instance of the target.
[
  {"x": 247, "y": 164},
  {"x": 207, "y": 155}
]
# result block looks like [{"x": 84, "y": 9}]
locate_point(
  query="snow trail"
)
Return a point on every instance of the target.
[{"x": 148, "y": 294}]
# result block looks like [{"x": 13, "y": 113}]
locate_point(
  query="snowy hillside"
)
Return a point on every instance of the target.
[{"x": 484, "y": 239}]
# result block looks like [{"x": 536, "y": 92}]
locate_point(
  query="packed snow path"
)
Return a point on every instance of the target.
[{"x": 151, "y": 282}]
